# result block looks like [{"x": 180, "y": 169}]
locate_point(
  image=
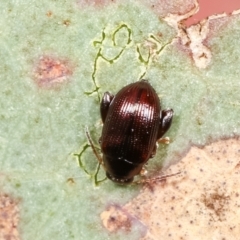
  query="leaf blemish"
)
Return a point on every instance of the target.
[{"x": 51, "y": 72}]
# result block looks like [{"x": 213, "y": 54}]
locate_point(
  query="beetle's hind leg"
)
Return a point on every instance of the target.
[{"x": 165, "y": 122}]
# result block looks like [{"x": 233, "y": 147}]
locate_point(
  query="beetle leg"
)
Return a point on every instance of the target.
[
  {"x": 93, "y": 148},
  {"x": 143, "y": 172},
  {"x": 154, "y": 150},
  {"x": 165, "y": 140},
  {"x": 160, "y": 178},
  {"x": 104, "y": 106},
  {"x": 156, "y": 179},
  {"x": 165, "y": 122}
]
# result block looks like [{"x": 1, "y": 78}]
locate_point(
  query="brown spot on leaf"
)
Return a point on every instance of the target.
[
  {"x": 67, "y": 22},
  {"x": 52, "y": 72},
  {"x": 9, "y": 218},
  {"x": 49, "y": 13},
  {"x": 237, "y": 165},
  {"x": 70, "y": 181},
  {"x": 218, "y": 203}
]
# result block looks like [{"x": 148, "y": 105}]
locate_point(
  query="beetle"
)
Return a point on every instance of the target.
[{"x": 133, "y": 123}]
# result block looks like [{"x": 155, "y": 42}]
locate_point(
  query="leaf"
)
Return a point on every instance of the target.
[{"x": 58, "y": 58}]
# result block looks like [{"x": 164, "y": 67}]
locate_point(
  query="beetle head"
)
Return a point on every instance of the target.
[{"x": 120, "y": 170}]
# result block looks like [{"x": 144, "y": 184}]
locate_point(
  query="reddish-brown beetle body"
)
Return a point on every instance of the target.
[{"x": 132, "y": 124}]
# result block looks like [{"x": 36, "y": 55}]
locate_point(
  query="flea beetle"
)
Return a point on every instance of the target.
[{"x": 133, "y": 123}]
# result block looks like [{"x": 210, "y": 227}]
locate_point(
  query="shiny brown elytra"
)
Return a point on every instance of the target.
[{"x": 133, "y": 122}]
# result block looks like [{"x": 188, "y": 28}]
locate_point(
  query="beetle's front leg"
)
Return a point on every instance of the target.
[
  {"x": 104, "y": 106},
  {"x": 99, "y": 158}
]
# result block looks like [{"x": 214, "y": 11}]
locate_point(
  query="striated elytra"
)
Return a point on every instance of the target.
[{"x": 133, "y": 122}]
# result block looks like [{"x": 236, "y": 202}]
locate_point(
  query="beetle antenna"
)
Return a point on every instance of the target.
[
  {"x": 154, "y": 179},
  {"x": 93, "y": 147}
]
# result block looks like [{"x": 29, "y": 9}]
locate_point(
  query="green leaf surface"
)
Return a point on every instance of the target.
[{"x": 57, "y": 60}]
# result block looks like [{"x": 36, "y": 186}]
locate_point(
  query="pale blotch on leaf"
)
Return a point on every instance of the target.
[
  {"x": 204, "y": 196},
  {"x": 114, "y": 219},
  {"x": 52, "y": 72},
  {"x": 9, "y": 218}
]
